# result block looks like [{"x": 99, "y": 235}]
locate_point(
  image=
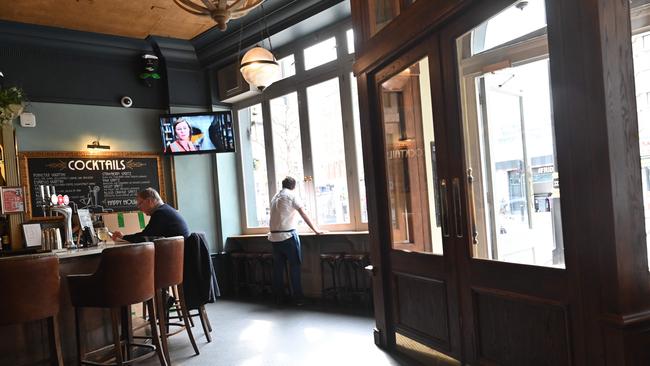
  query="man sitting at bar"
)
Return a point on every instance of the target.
[{"x": 165, "y": 220}]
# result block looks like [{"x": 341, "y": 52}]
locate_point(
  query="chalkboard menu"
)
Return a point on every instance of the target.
[{"x": 106, "y": 182}]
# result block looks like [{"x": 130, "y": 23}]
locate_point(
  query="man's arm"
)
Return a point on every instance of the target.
[{"x": 308, "y": 221}]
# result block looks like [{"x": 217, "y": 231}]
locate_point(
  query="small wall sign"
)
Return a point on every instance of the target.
[{"x": 13, "y": 200}]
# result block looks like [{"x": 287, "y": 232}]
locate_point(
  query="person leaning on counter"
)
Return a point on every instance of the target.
[{"x": 165, "y": 220}]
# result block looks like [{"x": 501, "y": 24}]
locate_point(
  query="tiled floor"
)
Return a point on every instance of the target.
[{"x": 252, "y": 334}]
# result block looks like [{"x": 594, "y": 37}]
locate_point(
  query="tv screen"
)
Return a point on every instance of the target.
[{"x": 195, "y": 133}]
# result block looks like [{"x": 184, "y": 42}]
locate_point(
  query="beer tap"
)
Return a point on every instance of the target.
[{"x": 58, "y": 204}]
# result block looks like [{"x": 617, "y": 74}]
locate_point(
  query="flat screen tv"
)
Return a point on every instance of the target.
[{"x": 196, "y": 133}]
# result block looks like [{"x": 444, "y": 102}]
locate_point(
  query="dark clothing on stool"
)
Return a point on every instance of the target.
[
  {"x": 165, "y": 222},
  {"x": 283, "y": 252},
  {"x": 199, "y": 280}
]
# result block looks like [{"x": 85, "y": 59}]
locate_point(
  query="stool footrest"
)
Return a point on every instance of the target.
[{"x": 151, "y": 347}]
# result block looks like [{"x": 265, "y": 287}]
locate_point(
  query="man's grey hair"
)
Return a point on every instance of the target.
[{"x": 150, "y": 193}]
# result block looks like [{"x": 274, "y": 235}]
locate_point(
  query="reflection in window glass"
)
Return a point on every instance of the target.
[
  {"x": 510, "y": 147},
  {"x": 287, "y": 67},
  {"x": 287, "y": 148},
  {"x": 516, "y": 21},
  {"x": 328, "y": 153},
  {"x": 641, "y": 54},
  {"x": 256, "y": 188},
  {"x": 381, "y": 13},
  {"x": 411, "y": 164},
  {"x": 349, "y": 35},
  {"x": 359, "y": 151},
  {"x": 320, "y": 53}
]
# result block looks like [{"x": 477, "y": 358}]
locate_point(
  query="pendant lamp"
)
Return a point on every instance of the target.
[{"x": 258, "y": 66}]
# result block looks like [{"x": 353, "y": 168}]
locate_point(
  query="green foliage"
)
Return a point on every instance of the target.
[{"x": 11, "y": 95}]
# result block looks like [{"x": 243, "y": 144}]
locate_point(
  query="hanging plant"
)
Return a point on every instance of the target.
[{"x": 12, "y": 102}]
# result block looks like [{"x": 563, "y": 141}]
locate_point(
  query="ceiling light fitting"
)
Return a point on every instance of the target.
[
  {"x": 219, "y": 10},
  {"x": 259, "y": 66},
  {"x": 96, "y": 145}
]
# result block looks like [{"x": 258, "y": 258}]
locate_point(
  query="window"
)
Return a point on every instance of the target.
[
  {"x": 509, "y": 141},
  {"x": 407, "y": 116},
  {"x": 328, "y": 153},
  {"x": 256, "y": 187},
  {"x": 320, "y": 53},
  {"x": 287, "y": 66},
  {"x": 287, "y": 147},
  {"x": 349, "y": 35},
  {"x": 641, "y": 58},
  {"x": 310, "y": 131},
  {"x": 358, "y": 150}
]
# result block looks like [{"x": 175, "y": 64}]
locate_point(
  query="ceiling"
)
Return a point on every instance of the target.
[{"x": 128, "y": 18}]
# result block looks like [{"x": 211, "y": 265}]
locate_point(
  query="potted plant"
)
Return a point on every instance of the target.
[{"x": 12, "y": 102}]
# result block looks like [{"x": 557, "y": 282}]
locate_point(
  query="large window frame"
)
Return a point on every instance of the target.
[{"x": 340, "y": 68}]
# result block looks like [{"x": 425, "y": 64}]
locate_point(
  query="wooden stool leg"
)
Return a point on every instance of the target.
[
  {"x": 155, "y": 339},
  {"x": 203, "y": 317},
  {"x": 174, "y": 293},
  {"x": 183, "y": 307},
  {"x": 80, "y": 343},
  {"x": 207, "y": 319},
  {"x": 115, "y": 319},
  {"x": 162, "y": 323},
  {"x": 55, "y": 341},
  {"x": 127, "y": 329}
]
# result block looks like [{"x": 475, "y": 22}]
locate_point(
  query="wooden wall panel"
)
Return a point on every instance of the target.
[
  {"x": 515, "y": 331},
  {"x": 421, "y": 309}
]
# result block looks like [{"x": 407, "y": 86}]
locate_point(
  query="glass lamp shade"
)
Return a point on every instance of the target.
[{"x": 259, "y": 68}]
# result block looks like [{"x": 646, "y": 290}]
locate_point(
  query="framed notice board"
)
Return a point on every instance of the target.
[{"x": 100, "y": 182}]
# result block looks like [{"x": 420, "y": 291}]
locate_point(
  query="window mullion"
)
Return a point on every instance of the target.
[
  {"x": 268, "y": 146},
  {"x": 305, "y": 139},
  {"x": 345, "y": 92}
]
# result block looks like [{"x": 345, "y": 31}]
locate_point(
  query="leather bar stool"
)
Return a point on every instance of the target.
[
  {"x": 125, "y": 276},
  {"x": 168, "y": 273},
  {"x": 30, "y": 293},
  {"x": 331, "y": 261}
]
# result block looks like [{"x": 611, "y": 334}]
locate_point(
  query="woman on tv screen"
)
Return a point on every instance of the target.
[{"x": 183, "y": 135}]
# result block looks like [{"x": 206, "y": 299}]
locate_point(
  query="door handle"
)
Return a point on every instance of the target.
[
  {"x": 457, "y": 205},
  {"x": 472, "y": 206},
  {"x": 370, "y": 269},
  {"x": 444, "y": 208}
]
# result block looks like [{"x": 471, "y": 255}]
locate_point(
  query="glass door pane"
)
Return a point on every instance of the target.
[
  {"x": 381, "y": 13},
  {"x": 328, "y": 153},
  {"x": 287, "y": 147},
  {"x": 510, "y": 148},
  {"x": 358, "y": 150},
  {"x": 641, "y": 56},
  {"x": 411, "y": 162},
  {"x": 253, "y": 153}
]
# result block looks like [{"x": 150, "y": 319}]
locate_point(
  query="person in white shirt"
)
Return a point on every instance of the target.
[{"x": 285, "y": 208}]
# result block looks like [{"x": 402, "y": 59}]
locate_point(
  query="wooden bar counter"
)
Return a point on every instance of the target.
[{"x": 27, "y": 343}]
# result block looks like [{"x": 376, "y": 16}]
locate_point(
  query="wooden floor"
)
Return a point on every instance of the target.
[{"x": 260, "y": 334}]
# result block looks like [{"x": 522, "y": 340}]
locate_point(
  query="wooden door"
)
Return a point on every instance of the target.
[
  {"x": 475, "y": 271},
  {"x": 417, "y": 226}
]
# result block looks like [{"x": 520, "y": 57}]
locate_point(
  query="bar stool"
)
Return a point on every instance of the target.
[
  {"x": 333, "y": 262},
  {"x": 125, "y": 276},
  {"x": 32, "y": 293},
  {"x": 266, "y": 260},
  {"x": 357, "y": 279},
  {"x": 168, "y": 272},
  {"x": 239, "y": 271}
]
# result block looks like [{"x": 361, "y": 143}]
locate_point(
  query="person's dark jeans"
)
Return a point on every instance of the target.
[{"x": 284, "y": 252}]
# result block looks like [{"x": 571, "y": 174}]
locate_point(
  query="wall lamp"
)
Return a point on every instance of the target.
[{"x": 96, "y": 145}]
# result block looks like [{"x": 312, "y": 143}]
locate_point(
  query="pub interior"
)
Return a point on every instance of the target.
[{"x": 427, "y": 139}]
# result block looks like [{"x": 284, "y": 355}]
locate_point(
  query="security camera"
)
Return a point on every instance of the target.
[{"x": 126, "y": 102}]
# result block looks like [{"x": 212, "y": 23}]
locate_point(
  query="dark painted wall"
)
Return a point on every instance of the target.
[{"x": 63, "y": 66}]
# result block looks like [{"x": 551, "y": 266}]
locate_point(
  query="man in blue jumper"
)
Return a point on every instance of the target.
[{"x": 165, "y": 220}]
